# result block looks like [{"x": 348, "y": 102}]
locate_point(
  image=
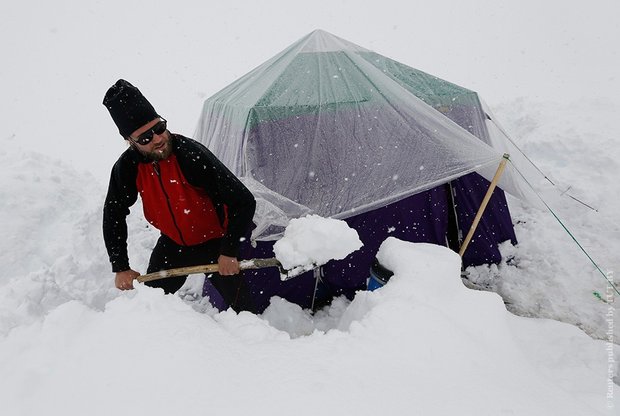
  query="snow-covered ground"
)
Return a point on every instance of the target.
[
  {"x": 72, "y": 344},
  {"x": 577, "y": 144}
]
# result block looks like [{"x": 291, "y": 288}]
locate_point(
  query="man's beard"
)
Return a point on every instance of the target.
[{"x": 159, "y": 154}]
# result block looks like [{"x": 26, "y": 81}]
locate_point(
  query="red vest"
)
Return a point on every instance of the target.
[{"x": 179, "y": 210}]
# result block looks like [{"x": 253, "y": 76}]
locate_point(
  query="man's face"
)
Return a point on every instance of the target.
[{"x": 157, "y": 149}]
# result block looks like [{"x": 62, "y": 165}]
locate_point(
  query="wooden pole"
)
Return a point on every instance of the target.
[
  {"x": 181, "y": 271},
  {"x": 485, "y": 201},
  {"x": 208, "y": 268}
]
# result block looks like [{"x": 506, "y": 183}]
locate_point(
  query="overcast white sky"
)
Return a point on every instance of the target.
[{"x": 64, "y": 54}]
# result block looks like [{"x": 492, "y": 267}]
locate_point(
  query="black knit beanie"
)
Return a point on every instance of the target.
[{"x": 128, "y": 107}]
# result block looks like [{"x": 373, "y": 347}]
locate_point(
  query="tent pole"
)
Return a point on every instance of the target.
[{"x": 485, "y": 201}]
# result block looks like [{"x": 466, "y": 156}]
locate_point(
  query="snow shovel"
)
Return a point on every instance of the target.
[{"x": 213, "y": 268}]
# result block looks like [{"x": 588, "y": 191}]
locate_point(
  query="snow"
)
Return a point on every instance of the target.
[
  {"x": 422, "y": 342},
  {"x": 70, "y": 343},
  {"x": 553, "y": 278},
  {"x": 312, "y": 241}
]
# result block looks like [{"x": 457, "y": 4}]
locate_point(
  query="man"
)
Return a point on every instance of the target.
[{"x": 202, "y": 210}]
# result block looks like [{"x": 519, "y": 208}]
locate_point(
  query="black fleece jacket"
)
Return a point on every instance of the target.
[{"x": 201, "y": 169}]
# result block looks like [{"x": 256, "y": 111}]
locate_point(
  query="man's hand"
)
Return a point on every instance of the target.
[
  {"x": 228, "y": 266},
  {"x": 124, "y": 280}
]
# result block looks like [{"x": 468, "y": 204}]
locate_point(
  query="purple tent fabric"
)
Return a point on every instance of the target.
[
  {"x": 309, "y": 158},
  {"x": 291, "y": 141},
  {"x": 495, "y": 226},
  {"x": 418, "y": 218}
]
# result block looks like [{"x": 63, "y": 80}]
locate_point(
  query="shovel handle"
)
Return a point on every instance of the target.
[{"x": 208, "y": 268}]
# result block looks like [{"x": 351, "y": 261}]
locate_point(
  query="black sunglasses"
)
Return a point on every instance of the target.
[{"x": 146, "y": 137}]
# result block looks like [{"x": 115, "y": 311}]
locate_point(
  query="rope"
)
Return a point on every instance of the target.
[
  {"x": 534, "y": 164},
  {"x": 568, "y": 231},
  {"x": 317, "y": 277}
]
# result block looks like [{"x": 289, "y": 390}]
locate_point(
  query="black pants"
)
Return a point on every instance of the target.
[{"x": 169, "y": 255}]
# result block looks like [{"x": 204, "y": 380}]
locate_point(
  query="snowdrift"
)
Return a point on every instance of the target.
[{"x": 71, "y": 344}]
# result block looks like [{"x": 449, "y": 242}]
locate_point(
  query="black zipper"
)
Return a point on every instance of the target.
[{"x": 156, "y": 169}]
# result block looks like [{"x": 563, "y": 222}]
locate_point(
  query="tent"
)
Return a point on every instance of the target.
[{"x": 331, "y": 128}]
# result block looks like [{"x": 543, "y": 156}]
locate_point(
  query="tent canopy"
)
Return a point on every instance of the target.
[{"x": 331, "y": 128}]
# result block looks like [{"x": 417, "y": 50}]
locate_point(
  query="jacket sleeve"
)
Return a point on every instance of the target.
[
  {"x": 201, "y": 168},
  {"x": 122, "y": 194}
]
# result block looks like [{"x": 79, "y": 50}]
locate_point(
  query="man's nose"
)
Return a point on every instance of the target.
[{"x": 158, "y": 138}]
